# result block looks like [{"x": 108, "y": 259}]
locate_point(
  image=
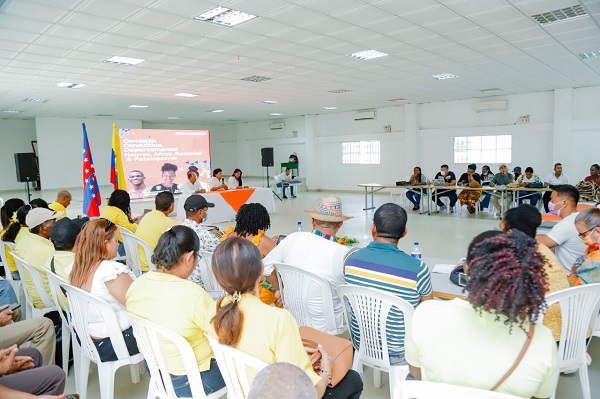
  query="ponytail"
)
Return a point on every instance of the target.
[
  {"x": 229, "y": 320},
  {"x": 16, "y": 222}
]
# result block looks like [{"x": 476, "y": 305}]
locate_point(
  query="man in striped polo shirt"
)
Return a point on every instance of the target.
[{"x": 383, "y": 266}]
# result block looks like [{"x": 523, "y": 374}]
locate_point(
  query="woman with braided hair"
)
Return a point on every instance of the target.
[{"x": 490, "y": 340}]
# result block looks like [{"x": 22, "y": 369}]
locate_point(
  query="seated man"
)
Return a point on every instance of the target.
[
  {"x": 317, "y": 252},
  {"x": 36, "y": 249},
  {"x": 383, "y": 266},
  {"x": 23, "y": 370},
  {"x": 154, "y": 223},
  {"x": 529, "y": 180},
  {"x": 553, "y": 180},
  {"x": 63, "y": 236},
  {"x": 564, "y": 237},
  {"x": 38, "y": 331},
  {"x": 63, "y": 200},
  {"x": 501, "y": 180},
  {"x": 284, "y": 180},
  {"x": 450, "y": 180}
]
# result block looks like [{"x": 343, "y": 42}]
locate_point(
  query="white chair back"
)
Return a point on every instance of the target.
[
  {"x": 369, "y": 309},
  {"x": 149, "y": 336},
  {"x": 8, "y": 248},
  {"x": 80, "y": 302},
  {"x": 209, "y": 281},
  {"x": 235, "y": 366},
  {"x": 132, "y": 245},
  {"x": 28, "y": 271},
  {"x": 579, "y": 311},
  {"x": 435, "y": 390},
  {"x": 297, "y": 289}
]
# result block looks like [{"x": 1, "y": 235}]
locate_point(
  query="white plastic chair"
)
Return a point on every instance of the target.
[
  {"x": 132, "y": 244},
  {"x": 579, "y": 309},
  {"x": 436, "y": 390},
  {"x": 297, "y": 289},
  {"x": 370, "y": 308},
  {"x": 234, "y": 366},
  {"x": 80, "y": 302},
  {"x": 7, "y": 249},
  {"x": 149, "y": 336},
  {"x": 25, "y": 269},
  {"x": 209, "y": 280}
]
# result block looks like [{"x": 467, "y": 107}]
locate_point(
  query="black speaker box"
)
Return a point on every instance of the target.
[
  {"x": 267, "y": 156},
  {"x": 26, "y": 167}
]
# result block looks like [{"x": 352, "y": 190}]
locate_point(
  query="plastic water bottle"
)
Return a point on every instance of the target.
[
  {"x": 300, "y": 227},
  {"x": 416, "y": 251}
]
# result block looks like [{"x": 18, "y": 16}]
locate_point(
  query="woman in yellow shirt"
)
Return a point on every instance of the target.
[
  {"x": 265, "y": 332},
  {"x": 13, "y": 223},
  {"x": 153, "y": 295},
  {"x": 118, "y": 211}
]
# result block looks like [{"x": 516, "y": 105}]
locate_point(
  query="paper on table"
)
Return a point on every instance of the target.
[{"x": 443, "y": 268}]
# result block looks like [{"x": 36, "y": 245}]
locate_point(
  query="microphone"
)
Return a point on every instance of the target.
[{"x": 223, "y": 180}]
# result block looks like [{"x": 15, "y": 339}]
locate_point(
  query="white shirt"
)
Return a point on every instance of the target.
[
  {"x": 214, "y": 182},
  {"x": 107, "y": 271},
  {"x": 319, "y": 256},
  {"x": 284, "y": 178},
  {"x": 190, "y": 188},
  {"x": 555, "y": 181},
  {"x": 233, "y": 183},
  {"x": 570, "y": 246}
]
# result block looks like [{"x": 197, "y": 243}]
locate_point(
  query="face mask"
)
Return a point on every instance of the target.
[
  {"x": 442, "y": 173},
  {"x": 552, "y": 209}
]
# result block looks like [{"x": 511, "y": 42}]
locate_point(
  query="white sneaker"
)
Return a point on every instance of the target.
[
  {"x": 443, "y": 208},
  {"x": 451, "y": 209}
]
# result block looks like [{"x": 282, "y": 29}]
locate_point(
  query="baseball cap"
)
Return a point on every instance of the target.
[
  {"x": 37, "y": 216},
  {"x": 64, "y": 233},
  {"x": 196, "y": 202},
  {"x": 503, "y": 165},
  {"x": 517, "y": 169}
]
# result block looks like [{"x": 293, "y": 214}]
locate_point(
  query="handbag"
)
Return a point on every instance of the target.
[
  {"x": 535, "y": 185},
  {"x": 339, "y": 349},
  {"x": 519, "y": 358}
]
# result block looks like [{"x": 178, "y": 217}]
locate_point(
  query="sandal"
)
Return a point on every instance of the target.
[{"x": 416, "y": 208}]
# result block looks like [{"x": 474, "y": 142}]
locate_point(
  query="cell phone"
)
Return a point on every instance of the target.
[
  {"x": 12, "y": 307},
  {"x": 462, "y": 279}
]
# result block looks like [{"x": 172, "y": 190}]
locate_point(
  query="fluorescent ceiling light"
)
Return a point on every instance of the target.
[
  {"x": 11, "y": 111},
  {"x": 275, "y": 114},
  {"x": 339, "y": 91},
  {"x": 256, "y": 78},
  {"x": 567, "y": 13},
  {"x": 489, "y": 90},
  {"x": 269, "y": 102},
  {"x": 398, "y": 100},
  {"x": 124, "y": 60},
  {"x": 329, "y": 107},
  {"x": 35, "y": 100},
  {"x": 138, "y": 106},
  {"x": 175, "y": 117},
  {"x": 186, "y": 95},
  {"x": 217, "y": 110},
  {"x": 368, "y": 54},
  {"x": 103, "y": 115},
  {"x": 442, "y": 76},
  {"x": 591, "y": 54},
  {"x": 225, "y": 16},
  {"x": 67, "y": 85}
]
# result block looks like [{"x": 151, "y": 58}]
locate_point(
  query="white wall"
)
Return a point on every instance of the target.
[{"x": 15, "y": 136}]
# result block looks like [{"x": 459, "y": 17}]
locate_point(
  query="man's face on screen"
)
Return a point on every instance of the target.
[
  {"x": 168, "y": 178},
  {"x": 136, "y": 178}
]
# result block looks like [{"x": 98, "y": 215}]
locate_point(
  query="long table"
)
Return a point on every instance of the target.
[{"x": 228, "y": 202}]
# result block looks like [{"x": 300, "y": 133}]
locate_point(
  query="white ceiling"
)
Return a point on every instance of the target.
[{"x": 301, "y": 44}]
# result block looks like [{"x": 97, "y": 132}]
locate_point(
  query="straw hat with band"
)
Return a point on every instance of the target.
[{"x": 328, "y": 209}]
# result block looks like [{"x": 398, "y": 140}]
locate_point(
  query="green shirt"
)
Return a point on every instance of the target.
[{"x": 502, "y": 180}]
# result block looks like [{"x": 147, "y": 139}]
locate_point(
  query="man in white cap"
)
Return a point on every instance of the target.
[
  {"x": 35, "y": 247},
  {"x": 317, "y": 252}
]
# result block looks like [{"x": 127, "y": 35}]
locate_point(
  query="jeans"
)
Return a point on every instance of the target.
[
  {"x": 212, "y": 381},
  {"x": 284, "y": 187},
  {"x": 414, "y": 196},
  {"x": 121, "y": 249},
  {"x": 532, "y": 197},
  {"x": 451, "y": 194},
  {"x": 106, "y": 350},
  {"x": 485, "y": 202}
]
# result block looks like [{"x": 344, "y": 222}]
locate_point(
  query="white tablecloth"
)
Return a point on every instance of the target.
[{"x": 223, "y": 211}]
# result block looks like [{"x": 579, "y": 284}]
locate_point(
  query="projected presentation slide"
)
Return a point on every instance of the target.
[{"x": 156, "y": 160}]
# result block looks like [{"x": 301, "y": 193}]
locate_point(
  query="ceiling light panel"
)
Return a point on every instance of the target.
[
  {"x": 256, "y": 78},
  {"x": 217, "y": 111},
  {"x": 124, "y": 60},
  {"x": 186, "y": 95},
  {"x": 35, "y": 100},
  {"x": 588, "y": 55},
  {"x": 11, "y": 111},
  {"x": 340, "y": 91},
  {"x": 67, "y": 85},
  {"x": 138, "y": 106},
  {"x": 268, "y": 102},
  {"x": 174, "y": 117},
  {"x": 368, "y": 54},
  {"x": 567, "y": 13},
  {"x": 329, "y": 108},
  {"x": 275, "y": 114},
  {"x": 443, "y": 76},
  {"x": 225, "y": 16},
  {"x": 397, "y": 100}
]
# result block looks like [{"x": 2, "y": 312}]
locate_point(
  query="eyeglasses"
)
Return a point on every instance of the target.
[{"x": 585, "y": 233}]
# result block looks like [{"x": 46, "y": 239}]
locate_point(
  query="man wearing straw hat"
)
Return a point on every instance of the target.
[{"x": 317, "y": 252}]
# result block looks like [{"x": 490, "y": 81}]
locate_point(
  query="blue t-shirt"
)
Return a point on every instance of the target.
[
  {"x": 384, "y": 267},
  {"x": 450, "y": 176}
]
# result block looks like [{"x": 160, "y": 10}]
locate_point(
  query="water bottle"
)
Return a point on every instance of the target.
[
  {"x": 300, "y": 227},
  {"x": 416, "y": 251}
]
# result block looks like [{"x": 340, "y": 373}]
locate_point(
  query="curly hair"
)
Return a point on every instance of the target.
[
  {"x": 251, "y": 218},
  {"x": 120, "y": 199},
  {"x": 506, "y": 277}
]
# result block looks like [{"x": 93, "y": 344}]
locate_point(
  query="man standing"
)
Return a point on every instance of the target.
[
  {"x": 553, "y": 180},
  {"x": 449, "y": 180},
  {"x": 154, "y": 223},
  {"x": 63, "y": 200},
  {"x": 284, "y": 180},
  {"x": 501, "y": 180},
  {"x": 564, "y": 237},
  {"x": 383, "y": 266},
  {"x": 317, "y": 252},
  {"x": 140, "y": 189}
]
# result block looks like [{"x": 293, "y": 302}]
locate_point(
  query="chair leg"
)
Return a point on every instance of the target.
[
  {"x": 135, "y": 373},
  {"x": 66, "y": 344},
  {"x": 76, "y": 363},
  {"x": 377, "y": 378},
  {"x": 106, "y": 378},
  {"x": 397, "y": 375},
  {"x": 84, "y": 372},
  {"x": 585, "y": 382}
]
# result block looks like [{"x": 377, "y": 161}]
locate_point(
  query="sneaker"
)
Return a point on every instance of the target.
[
  {"x": 443, "y": 208},
  {"x": 293, "y": 196},
  {"x": 284, "y": 197},
  {"x": 451, "y": 209}
]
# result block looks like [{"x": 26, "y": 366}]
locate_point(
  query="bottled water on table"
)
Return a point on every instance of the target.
[{"x": 416, "y": 251}]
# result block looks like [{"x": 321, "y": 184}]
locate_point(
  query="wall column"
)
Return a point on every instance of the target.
[
  {"x": 311, "y": 164},
  {"x": 562, "y": 138}
]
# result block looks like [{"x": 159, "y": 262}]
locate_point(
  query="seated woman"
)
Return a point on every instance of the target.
[
  {"x": 486, "y": 179},
  {"x": 217, "y": 183},
  {"x": 416, "y": 179},
  {"x": 251, "y": 222},
  {"x": 586, "y": 269},
  {"x": 233, "y": 320},
  {"x": 235, "y": 181},
  {"x": 118, "y": 211},
  {"x": 14, "y": 213},
  {"x": 153, "y": 296},
  {"x": 489, "y": 330},
  {"x": 94, "y": 272},
  {"x": 594, "y": 174},
  {"x": 470, "y": 179}
]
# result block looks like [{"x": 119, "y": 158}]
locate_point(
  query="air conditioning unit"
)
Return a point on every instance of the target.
[
  {"x": 486, "y": 106},
  {"x": 364, "y": 115},
  {"x": 276, "y": 125}
]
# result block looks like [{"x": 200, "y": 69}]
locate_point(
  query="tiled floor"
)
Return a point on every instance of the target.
[{"x": 440, "y": 236}]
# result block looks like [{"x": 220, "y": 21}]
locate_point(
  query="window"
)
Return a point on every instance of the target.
[
  {"x": 487, "y": 149},
  {"x": 361, "y": 152}
]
